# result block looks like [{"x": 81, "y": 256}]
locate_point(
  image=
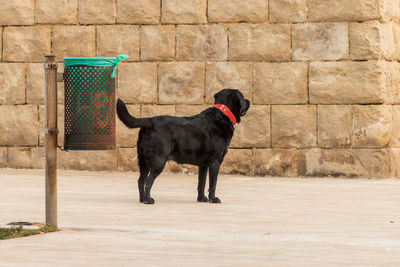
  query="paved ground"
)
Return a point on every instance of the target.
[{"x": 261, "y": 222}]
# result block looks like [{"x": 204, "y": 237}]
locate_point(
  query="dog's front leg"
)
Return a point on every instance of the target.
[
  {"x": 213, "y": 175},
  {"x": 202, "y": 184}
]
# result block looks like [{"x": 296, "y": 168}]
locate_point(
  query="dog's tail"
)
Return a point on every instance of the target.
[{"x": 130, "y": 121}]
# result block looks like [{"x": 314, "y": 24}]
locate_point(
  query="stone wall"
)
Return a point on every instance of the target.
[{"x": 322, "y": 76}]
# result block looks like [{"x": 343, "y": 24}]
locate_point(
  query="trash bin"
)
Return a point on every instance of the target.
[{"x": 89, "y": 102}]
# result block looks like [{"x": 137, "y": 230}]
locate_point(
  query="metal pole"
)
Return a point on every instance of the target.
[{"x": 51, "y": 132}]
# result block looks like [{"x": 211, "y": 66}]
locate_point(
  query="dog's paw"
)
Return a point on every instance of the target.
[
  {"x": 148, "y": 201},
  {"x": 202, "y": 199},
  {"x": 215, "y": 200}
]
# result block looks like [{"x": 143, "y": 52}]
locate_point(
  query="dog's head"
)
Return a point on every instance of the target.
[{"x": 234, "y": 100}]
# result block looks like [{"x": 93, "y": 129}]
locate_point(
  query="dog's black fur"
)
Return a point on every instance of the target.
[{"x": 201, "y": 140}]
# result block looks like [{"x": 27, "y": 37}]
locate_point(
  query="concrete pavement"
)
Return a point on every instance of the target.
[{"x": 261, "y": 221}]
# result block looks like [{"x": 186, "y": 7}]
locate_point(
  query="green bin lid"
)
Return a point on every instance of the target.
[{"x": 95, "y": 61}]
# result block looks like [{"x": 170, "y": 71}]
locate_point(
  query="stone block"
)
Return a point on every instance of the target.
[
  {"x": 60, "y": 125},
  {"x": 235, "y": 75},
  {"x": 288, "y": 10},
  {"x": 12, "y": 83},
  {"x": 334, "y": 126},
  {"x": 118, "y": 39},
  {"x": 74, "y": 41},
  {"x": 372, "y": 126},
  {"x": 19, "y": 125},
  {"x": 345, "y": 162},
  {"x": 181, "y": 83},
  {"x": 237, "y": 11},
  {"x": 189, "y": 110},
  {"x": 392, "y": 10},
  {"x": 396, "y": 38},
  {"x": 344, "y": 10},
  {"x": 202, "y": 42},
  {"x": 375, "y": 161},
  {"x": 320, "y": 41},
  {"x": 35, "y": 83},
  {"x": 127, "y": 159},
  {"x": 293, "y": 126},
  {"x": 238, "y": 161},
  {"x": 157, "y": 110},
  {"x": 276, "y": 162},
  {"x": 371, "y": 41},
  {"x": 96, "y": 11},
  {"x": 26, "y": 43},
  {"x": 395, "y": 162},
  {"x": 19, "y": 12},
  {"x": 19, "y": 157},
  {"x": 138, "y": 11},
  {"x": 269, "y": 42},
  {"x": 127, "y": 137},
  {"x": 185, "y": 12},
  {"x": 347, "y": 82},
  {"x": 280, "y": 83},
  {"x": 392, "y": 82},
  {"x": 3, "y": 157},
  {"x": 158, "y": 42},
  {"x": 137, "y": 82},
  {"x": 88, "y": 160},
  {"x": 396, "y": 126},
  {"x": 56, "y": 12},
  {"x": 254, "y": 128},
  {"x": 38, "y": 157}
]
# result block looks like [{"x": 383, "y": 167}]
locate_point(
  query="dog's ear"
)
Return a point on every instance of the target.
[
  {"x": 242, "y": 102},
  {"x": 217, "y": 94}
]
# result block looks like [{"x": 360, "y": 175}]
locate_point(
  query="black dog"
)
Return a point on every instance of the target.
[{"x": 201, "y": 140}]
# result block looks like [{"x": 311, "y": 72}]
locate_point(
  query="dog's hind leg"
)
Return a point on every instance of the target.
[
  {"x": 213, "y": 175},
  {"x": 149, "y": 183},
  {"x": 144, "y": 172},
  {"x": 155, "y": 171},
  {"x": 202, "y": 183}
]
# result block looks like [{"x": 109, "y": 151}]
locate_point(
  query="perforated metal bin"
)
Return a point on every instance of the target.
[{"x": 90, "y": 103}]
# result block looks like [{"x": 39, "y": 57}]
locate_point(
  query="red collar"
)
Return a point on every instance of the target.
[{"x": 224, "y": 109}]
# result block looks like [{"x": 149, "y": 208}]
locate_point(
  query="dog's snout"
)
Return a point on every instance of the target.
[{"x": 246, "y": 108}]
